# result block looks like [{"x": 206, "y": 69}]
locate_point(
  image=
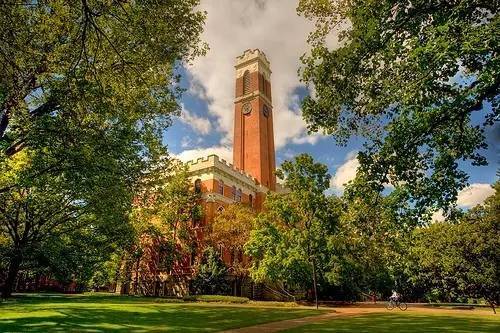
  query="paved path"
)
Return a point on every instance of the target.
[
  {"x": 291, "y": 323},
  {"x": 278, "y": 326}
]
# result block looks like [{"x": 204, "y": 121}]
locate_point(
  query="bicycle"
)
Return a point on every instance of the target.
[{"x": 392, "y": 304}]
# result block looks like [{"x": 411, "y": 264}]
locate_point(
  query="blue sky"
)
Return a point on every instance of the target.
[{"x": 273, "y": 26}]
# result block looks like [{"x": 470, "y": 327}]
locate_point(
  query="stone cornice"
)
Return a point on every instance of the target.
[{"x": 252, "y": 95}]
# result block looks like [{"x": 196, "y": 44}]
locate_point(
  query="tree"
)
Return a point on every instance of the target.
[
  {"x": 75, "y": 257},
  {"x": 366, "y": 251},
  {"x": 86, "y": 89},
  {"x": 289, "y": 242},
  {"x": 231, "y": 230},
  {"x": 107, "y": 272},
  {"x": 407, "y": 76},
  {"x": 461, "y": 259},
  {"x": 210, "y": 274},
  {"x": 163, "y": 218}
]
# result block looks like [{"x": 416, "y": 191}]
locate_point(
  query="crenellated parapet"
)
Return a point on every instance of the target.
[
  {"x": 213, "y": 166},
  {"x": 254, "y": 61}
]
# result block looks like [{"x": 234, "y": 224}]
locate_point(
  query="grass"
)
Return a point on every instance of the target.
[
  {"x": 395, "y": 322},
  {"x": 95, "y": 313}
]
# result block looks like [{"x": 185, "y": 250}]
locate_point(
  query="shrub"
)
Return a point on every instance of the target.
[{"x": 216, "y": 298}]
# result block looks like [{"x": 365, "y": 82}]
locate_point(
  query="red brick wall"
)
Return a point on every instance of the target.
[{"x": 253, "y": 142}]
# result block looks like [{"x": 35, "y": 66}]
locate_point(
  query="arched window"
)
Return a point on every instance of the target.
[
  {"x": 250, "y": 200},
  {"x": 221, "y": 187},
  {"x": 246, "y": 83},
  {"x": 197, "y": 186},
  {"x": 234, "y": 192}
]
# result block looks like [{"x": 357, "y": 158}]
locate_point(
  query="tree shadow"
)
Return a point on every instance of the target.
[{"x": 118, "y": 314}]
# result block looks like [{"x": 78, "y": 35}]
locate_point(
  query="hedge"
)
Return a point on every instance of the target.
[{"x": 216, "y": 298}]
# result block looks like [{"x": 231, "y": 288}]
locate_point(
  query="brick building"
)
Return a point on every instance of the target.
[
  {"x": 252, "y": 173},
  {"x": 247, "y": 180}
]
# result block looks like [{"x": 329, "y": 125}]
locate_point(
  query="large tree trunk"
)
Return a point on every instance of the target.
[{"x": 14, "y": 264}]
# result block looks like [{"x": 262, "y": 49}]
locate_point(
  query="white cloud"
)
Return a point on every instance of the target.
[
  {"x": 191, "y": 154},
  {"x": 234, "y": 26},
  {"x": 470, "y": 196},
  {"x": 345, "y": 172},
  {"x": 200, "y": 124},
  {"x": 474, "y": 194},
  {"x": 438, "y": 216}
]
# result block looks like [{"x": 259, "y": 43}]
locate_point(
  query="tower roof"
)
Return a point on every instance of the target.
[{"x": 250, "y": 56}]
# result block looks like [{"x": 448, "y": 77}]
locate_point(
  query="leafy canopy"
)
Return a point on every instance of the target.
[
  {"x": 461, "y": 259},
  {"x": 230, "y": 230},
  {"x": 407, "y": 76},
  {"x": 86, "y": 89},
  {"x": 289, "y": 243}
]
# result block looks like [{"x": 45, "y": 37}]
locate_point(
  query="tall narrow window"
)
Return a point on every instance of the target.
[
  {"x": 250, "y": 200},
  {"x": 221, "y": 187},
  {"x": 197, "y": 186},
  {"x": 246, "y": 83},
  {"x": 234, "y": 193}
]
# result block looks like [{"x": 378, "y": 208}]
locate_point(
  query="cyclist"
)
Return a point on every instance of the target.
[{"x": 394, "y": 297}]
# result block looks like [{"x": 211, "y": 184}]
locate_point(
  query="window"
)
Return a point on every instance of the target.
[
  {"x": 197, "y": 215},
  {"x": 238, "y": 195},
  {"x": 250, "y": 200},
  {"x": 265, "y": 110},
  {"x": 220, "y": 209},
  {"x": 221, "y": 187},
  {"x": 246, "y": 83},
  {"x": 234, "y": 193},
  {"x": 197, "y": 186}
]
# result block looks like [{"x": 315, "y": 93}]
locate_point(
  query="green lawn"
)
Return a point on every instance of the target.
[
  {"x": 58, "y": 313},
  {"x": 395, "y": 322}
]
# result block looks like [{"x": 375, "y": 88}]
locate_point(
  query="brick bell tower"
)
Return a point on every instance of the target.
[{"x": 253, "y": 149}]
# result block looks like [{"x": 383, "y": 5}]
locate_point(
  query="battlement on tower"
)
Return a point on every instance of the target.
[
  {"x": 214, "y": 161},
  {"x": 250, "y": 56}
]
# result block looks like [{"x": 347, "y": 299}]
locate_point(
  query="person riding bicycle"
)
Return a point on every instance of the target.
[
  {"x": 396, "y": 302},
  {"x": 394, "y": 297}
]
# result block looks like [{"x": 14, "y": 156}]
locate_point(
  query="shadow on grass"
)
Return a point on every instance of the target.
[
  {"x": 128, "y": 314},
  {"x": 406, "y": 322},
  {"x": 87, "y": 298}
]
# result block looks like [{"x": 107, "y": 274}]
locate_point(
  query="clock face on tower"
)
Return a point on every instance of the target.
[{"x": 247, "y": 108}]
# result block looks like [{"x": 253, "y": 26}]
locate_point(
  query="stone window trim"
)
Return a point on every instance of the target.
[
  {"x": 246, "y": 82},
  {"x": 221, "y": 187}
]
